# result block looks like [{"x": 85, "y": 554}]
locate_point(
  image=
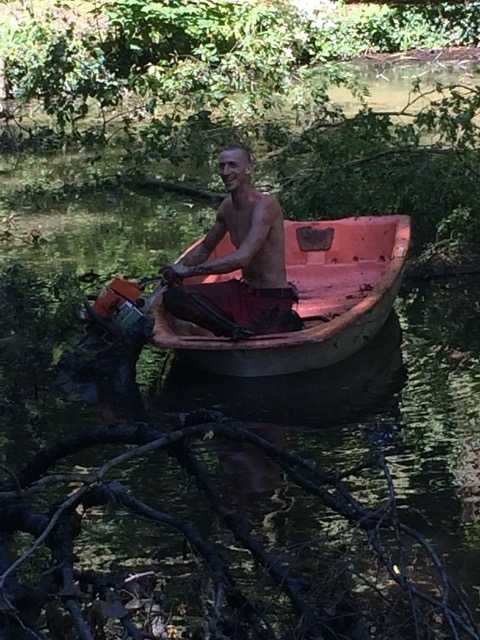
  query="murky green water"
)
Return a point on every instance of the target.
[
  {"x": 413, "y": 393},
  {"x": 389, "y": 83},
  {"x": 415, "y": 396}
]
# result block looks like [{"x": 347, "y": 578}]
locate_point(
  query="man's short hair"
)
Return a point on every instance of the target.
[{"x": 241, "y": 147}]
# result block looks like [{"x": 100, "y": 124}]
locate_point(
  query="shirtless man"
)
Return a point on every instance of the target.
[{"x": 262, "y": 301}]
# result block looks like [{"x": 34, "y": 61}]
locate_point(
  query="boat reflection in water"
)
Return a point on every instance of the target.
[
  {"x": 314, "y": 398},
  {"x": 277, "y": 407},
  {"x": 270, "y": 407}
]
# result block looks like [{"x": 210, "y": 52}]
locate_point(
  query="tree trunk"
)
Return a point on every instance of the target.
[{"x": 3, "y": 82}]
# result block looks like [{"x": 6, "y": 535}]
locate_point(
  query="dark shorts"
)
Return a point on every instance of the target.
[{"x": 248, "y": 307}]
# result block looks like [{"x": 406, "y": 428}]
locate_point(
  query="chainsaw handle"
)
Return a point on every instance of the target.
[{"x": 171, "y": 278}]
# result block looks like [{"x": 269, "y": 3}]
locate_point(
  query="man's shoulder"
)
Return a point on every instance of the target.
[
  {"x": 267, "y": 200},
  {"x": 224, "y": 206}
]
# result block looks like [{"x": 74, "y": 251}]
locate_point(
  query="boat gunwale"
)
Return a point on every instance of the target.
[{"x": 323, "y": 330}]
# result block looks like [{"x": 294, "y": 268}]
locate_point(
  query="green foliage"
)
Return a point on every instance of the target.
[
  {"x": 391, "y": 28},
  {"x": 203, "y": 55},
  {"x": 37, "y": 318},
  {"x": 187, "y": 77},
  {"x": 62, "y": 70},
  {"x": 192, "y": 55},
  {"x": 375, "y": 163},
  {"x": 142, "y": 33},
  {"x": 178, "y": 58},
  {"x": 37, "y": 312},
  {"x": 460, "y": 227}
]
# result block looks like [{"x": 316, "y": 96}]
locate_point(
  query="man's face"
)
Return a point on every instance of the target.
[{"x": 234, "y": 168}]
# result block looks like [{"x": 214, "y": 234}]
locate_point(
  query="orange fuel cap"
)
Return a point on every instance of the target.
[{"x": 117, "y": 291}]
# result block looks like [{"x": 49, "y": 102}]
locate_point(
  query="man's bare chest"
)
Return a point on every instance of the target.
[{"x": 238, "y": 225}]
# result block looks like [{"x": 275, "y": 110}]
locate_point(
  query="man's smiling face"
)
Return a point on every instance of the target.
[{"x": 234, "y": 168}]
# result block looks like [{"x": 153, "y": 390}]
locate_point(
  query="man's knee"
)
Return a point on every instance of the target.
[{"x": 174, "y": 299}]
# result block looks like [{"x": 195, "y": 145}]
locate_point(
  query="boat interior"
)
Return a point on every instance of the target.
[{"x": 333, "y": 264}]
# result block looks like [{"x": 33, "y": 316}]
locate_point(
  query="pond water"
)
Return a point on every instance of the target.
[
  {"x": 412, "y": 393},
  {"x": 390, "y": 82}
]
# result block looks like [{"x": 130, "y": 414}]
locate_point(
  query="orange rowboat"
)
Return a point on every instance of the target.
[{"x": 347, "y": 273}]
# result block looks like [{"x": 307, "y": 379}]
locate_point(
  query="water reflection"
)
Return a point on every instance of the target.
[
  {"x": 247, "y": 473},
  {"x": 327, "y": 396},
  {"x": 429, "y": 432},
  {"x": 270, "y": 407},
  {"x": 467, "y": 476},
  {"x": 101, "y": 374}
]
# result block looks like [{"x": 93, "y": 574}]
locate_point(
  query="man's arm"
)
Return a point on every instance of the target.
[
  {"x": 200, "y": 253},
  {"x": 263, "y": 217}
]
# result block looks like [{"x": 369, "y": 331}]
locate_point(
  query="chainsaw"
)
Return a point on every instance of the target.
[{"x": 122, "y": 308}]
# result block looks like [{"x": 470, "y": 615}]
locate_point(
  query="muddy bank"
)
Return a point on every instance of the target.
[{"x": 455, "y": 56}]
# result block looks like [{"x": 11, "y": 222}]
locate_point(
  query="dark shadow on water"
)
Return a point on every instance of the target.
[
  {"x": 102, "y": 378},
  {"x": 343, "y": 392},
  {"x": 246, "y": 473},
  {"x": 366, "y": 382},
  {"x": 339, "y": 393}
]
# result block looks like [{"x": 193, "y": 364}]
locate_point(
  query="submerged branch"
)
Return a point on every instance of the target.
[
  {"x": 219, "y": 571},
  {"x": 65, "y": 506},
  {"x": 378, "y": 522}
]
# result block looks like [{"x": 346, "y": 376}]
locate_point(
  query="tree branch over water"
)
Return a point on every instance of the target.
[{"x": 433, "y": 600}]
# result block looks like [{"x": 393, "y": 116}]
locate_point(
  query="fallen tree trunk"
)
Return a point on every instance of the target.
[
  {"x": 4, "y": 87},
  {"x": 212, "y": 197}
]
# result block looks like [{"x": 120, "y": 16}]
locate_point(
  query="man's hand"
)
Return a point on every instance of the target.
[{"x": 176, "y": 272}]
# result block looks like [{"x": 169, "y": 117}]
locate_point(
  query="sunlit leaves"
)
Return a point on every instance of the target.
[{"x": 191, "y": 54}]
